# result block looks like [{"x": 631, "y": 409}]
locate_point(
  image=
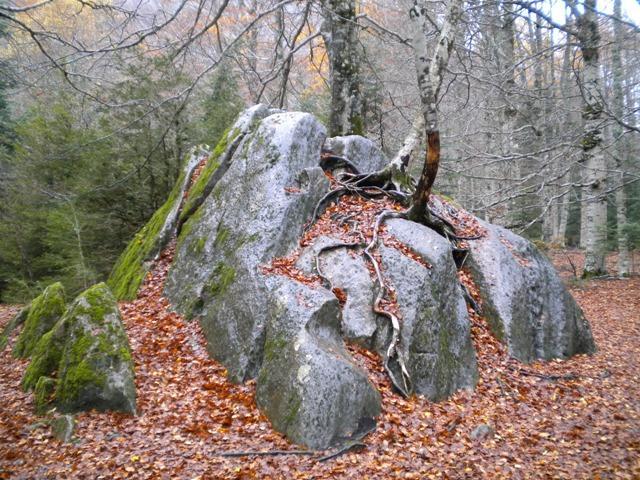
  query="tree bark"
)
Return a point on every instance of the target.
[
  {"x": 618, "y": 138},
  {"x": 593, "y": 155},
  {"x": 430, "y": 72},
  {"x": 340, "y": 32}
]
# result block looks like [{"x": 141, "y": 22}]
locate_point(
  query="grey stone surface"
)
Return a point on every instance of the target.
[
  {"x": 527, "y": 305},
  {"x": 435, "y": 328},
  {"x": 255, "y": 213},
  {"x": 308, "y": 386},
  {"x": 361, "y": 151},
  {"x": 346, "y": 269},
  {"x": 63, "y": 427},
  {"x": 482, "y": 432}
]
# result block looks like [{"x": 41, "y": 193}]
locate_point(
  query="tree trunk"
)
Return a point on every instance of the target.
[
  {"x": 619, "y": 147},
  {"x": 593, "y": 155},
  {"x": 430, "y": 73},
  {"x": 340, "y": 34}
]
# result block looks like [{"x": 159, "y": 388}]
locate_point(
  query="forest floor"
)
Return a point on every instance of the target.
[{"x": 564, "y": 419}]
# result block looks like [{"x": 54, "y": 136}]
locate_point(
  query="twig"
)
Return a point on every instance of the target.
[{"x": 268, "y": 453}]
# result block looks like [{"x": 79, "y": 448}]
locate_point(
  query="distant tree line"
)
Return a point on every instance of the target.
[{"x": 537, "y": 112}]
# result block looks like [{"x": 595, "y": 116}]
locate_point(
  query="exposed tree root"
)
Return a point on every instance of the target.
[
  {"x": 393, "y": 182},
  {"x": 393, "y": 353},
  {"x": 347, "y": 447}
]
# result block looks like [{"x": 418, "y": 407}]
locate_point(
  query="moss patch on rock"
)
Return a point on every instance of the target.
[
  {"x": 46, "y": 357},
  {"x": 45, "y": 311},
  {"x": 43, "y": 394},
  {"x": 201, "y": 186},
  {"x": 129, "y": 271},
  {"x": 223, "y": 276},
  {"x": 89, "y": 350}
]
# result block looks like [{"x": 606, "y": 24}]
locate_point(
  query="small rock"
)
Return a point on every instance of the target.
[
  {"x": 482, "y": 432},
  {"x": 63, "y": 427}
]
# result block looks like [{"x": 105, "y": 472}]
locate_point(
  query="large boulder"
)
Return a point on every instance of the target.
[
  {"x": 45, "y": 310},
  {"x": 256, "y": 212},
  {"x": 435, "y": 329},
  {"x": 362, "y": 152},
  {"x": 89, "y": 350},
  {"x": 308, "y": 386},
  {"x": 524, "y": 300},
  {"x": 220, "y": 159}
]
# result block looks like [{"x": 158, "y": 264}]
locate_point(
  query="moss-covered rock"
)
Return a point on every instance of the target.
[
  {"x": 132, "y": 266},
  {"x": 45, "y": 311},
  {"x": 211, "y": 173},
  {"x": 14, "y": 323},
  {"x": 46, "y": 357},
  {"x": 43, "y": 394},
  {"x": 89, "y": 350}
]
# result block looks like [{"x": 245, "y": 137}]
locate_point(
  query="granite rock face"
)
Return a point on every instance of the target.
[
  {"x": 435, "y": 332},
  {"x": 527, "y": 305},
  {"x": 361, "y": 151},
  {"x": 308, "y": 385},
  {"x": 255, "y": 212}
]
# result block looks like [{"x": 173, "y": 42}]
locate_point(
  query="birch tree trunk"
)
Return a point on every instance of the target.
[
  {"x": 593, "y": 155},
  {"x": 619, "y": 147},
  {"x": 430, "y": 71},
  {"x": 340, "y": 32}
]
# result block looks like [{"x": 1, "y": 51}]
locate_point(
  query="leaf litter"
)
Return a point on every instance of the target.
[{"x": 578, "y": 418}]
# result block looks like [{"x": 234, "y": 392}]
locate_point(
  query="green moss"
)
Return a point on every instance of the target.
[
  {"x": 222, "y": 236},
  {"x": 44, "y": 394},
  {"x": 129, "y": 271},
  {"x": 222, "y": 277},
  {"x": 187, "y": 227},
  {"x": 197, "y": 245},
  {"x": 273, "y": 347},
  {"x": 293, "y": 407},
  {"x": 46, "y": 358},
  {"x": 78, "y": 349},
  {"x": 45, "y": 311},
  {"x": 91, "y": 346},
  {"x": 200, "y": 185}
]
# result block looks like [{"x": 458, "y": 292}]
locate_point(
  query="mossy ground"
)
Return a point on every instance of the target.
[{"x": 45, "y": 311}]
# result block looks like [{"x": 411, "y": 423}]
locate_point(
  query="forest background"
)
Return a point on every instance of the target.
[{"x": 101, "y": 101}]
